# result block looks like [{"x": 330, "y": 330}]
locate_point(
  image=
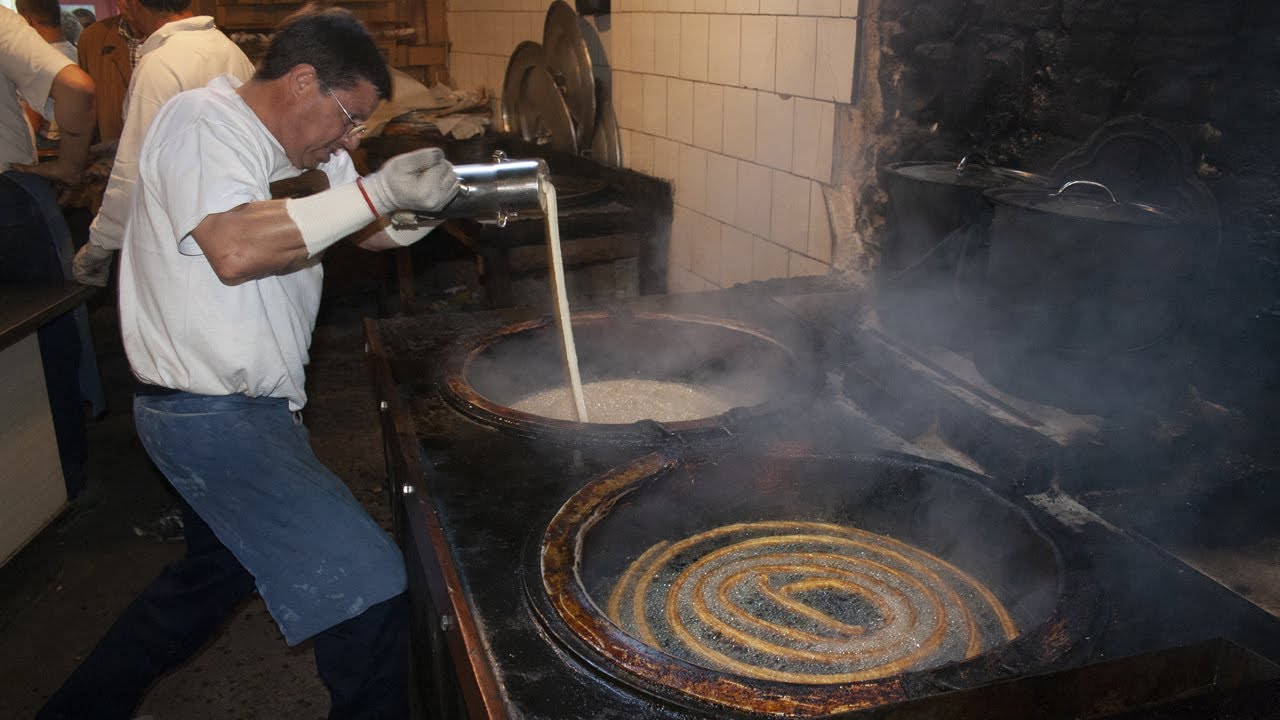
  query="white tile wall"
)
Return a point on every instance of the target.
[
  {"x": 789, "y": 222},
  {"x": 722, "y": 188},
  {"x": 724, "y": 49},
  {"x": 706, "y": 248},
  {"x": 813, "y": 140},
  {"x": 641, "y": 154},
  {"x": 759, "y": 51},
  {"x": 835, "y": 46},
  {"x": 734, "y": 101},
  {"x": 691, "y": 178},
  {"x": 775, "y": 130},
  {"x": 680, "y": 110},
  {"x": 820, "y": 239},
  {"x": 768, "y": 261},
  {"x": 755, "y": 197},
  {"x": 735, "y": 256},
  {"x": 778, "y": 7},
  {"x": 740, "y": 123},
  {"x": 708, "y": 116},
  {"x": 797, "y": 37},
  {"x": 666, "y": 158},
  {"x": 666, "y": 46},
  {"x": 655, "y": 104},
  {"x": 695, "y": 41}
]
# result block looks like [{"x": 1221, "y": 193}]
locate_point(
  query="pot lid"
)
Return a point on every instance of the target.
[
  {"x": 606, "y": 141},
  {"x": 570, "y": 63},
  {"x": 1084, "y": 200},
  {"x": 527, "y": 55},
  {"x": 543, "y": 116},
  {"x": 972, "y": 171}
]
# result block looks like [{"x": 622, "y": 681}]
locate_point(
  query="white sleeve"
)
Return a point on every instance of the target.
[
  {"x": 150, "y": 86},
  {"x": 195, "y": 166},
  {"x": 27, "y": 60}
]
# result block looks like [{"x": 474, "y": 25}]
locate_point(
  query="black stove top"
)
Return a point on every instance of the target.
[{"x": 480, "y": 497}]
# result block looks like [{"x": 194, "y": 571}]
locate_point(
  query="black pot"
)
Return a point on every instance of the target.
[
  {"x": 933, "y": 261},
  {"x": 1083, "y": 291}
]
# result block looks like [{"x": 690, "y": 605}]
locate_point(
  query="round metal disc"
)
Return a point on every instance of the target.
[
  {"x": 570, "y": 64},
  {"x": 606, "y": 141},
  {"x": 543, "y": 115},
  {"x": 526, "y": 55}
]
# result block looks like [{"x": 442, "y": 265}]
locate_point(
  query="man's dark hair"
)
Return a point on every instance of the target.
[
  {"x": 166, "y": 7},
  {"x": 45, "y": 12},
  {"x": 331, "y": 40}
]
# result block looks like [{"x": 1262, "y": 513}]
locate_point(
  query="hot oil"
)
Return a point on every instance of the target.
[{"x": 547, "y": 199}]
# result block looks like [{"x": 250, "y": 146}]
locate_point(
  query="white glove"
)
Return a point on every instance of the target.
[
  {"x": 92, "y": 265},
  {"x": 421, "y": 180}
]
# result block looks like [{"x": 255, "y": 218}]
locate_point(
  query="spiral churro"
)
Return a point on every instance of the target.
[{"x": 806, "y": 602}]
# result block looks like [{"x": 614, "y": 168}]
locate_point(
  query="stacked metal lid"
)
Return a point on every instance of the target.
[{"x": 550, "y": 95}]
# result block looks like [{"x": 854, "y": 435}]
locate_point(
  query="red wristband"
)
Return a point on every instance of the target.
[{"x": 372, "y": 209}]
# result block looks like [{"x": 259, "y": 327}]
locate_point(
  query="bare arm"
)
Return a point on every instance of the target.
[
  {"x": 250, "y": 241},
  {"x": 258, "y": 239},
  {"x": 273, "y": 237},
  {"x": 72, "y": 95}
]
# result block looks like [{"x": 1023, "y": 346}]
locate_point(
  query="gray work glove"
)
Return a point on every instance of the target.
[
  {"x": 92, "y": 265},
  {"x": 421, "y": 180}
]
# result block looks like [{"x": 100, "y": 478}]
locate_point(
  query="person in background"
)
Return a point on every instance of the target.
[
  {"x": 219, "y": 290},
  {"x": 181, "y": 52},
  {"x": 46, "y": 17},
  {"x": 33, "y": 234},
  {"x": 108, "y": 50},
  {"x": 71, "y": 27},
  {"x": 85, "y": 17}
]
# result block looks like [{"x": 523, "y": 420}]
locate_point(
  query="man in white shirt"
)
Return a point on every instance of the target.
[
  {"x": 181, "y": 52},
  {"x": 46, "y": 17},
  {"x": 34, "y": 241},
  {"x": 219, "y": 289}
]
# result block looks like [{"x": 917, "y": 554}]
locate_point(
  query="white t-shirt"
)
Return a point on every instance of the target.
[
  {"x": 28, "y": 66},
  {"x": 181, "y": 55},
  {"x": 205, "y": 153}
]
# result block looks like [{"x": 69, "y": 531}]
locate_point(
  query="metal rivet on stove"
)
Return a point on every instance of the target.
[{"x": 383, "y": 406}]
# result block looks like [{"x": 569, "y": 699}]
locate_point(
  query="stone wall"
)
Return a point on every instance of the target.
[{"x": 1026, "y": 81}]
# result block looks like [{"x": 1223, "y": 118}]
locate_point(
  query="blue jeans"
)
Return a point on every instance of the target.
[
  {"x": 363, "y": 661},
  {"x": 261, "y": 510}
]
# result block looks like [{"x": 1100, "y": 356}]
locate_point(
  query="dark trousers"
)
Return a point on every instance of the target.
[
  {"x": 28, "y": 254},
  {"x": 363, "y": 661}
]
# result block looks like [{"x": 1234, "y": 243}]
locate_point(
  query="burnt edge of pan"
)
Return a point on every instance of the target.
[
  {"x": 568, "y": 615},
  {"x": 457, "y": 391}
]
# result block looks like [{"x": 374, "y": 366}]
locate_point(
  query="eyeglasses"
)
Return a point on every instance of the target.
[{"x": 357, "y": 129}]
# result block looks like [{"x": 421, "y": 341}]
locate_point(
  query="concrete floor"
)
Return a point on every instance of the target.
[{"x": 61, "y": 592}]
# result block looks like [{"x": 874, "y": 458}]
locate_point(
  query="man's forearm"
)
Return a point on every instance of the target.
[{"x": 72, "y": 94}]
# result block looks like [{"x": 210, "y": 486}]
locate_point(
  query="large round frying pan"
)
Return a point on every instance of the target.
[{"x": 772, "y": 581}]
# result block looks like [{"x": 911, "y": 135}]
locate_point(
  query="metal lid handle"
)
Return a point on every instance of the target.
[
  {"x": 971, "y": 158},
  {"x": 1089, "y": 183}
]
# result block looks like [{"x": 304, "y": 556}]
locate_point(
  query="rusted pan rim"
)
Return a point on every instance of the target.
[
  {"x": 574, "y": 617},
  {"x": 459, "y": 391}
]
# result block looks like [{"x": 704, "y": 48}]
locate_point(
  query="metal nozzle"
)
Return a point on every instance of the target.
[{"x": 502, "y": 189}]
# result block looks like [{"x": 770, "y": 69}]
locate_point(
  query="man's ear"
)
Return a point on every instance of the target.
[{"x": 302, "y": 81}]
